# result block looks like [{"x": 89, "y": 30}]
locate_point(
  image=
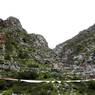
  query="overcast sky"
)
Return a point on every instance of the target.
[{"x": 56, "y": 20}]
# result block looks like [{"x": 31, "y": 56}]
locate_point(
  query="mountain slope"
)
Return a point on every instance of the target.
[
  {"x": 23, "y": 50},
  {"x": 79, "y": 49}
]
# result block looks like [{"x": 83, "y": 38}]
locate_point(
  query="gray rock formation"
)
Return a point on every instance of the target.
[
  {"x": 80, "y": 49},
  {"x": 21, "y": 46}
]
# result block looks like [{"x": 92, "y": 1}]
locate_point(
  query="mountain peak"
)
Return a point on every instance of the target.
[
  {"x": 10, "y": 22},
  {"x": 13, "y": 21}
]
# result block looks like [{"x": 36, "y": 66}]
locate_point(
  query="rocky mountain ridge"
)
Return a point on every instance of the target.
[
  {"x": 27, "y": 56},
  {"x": 78, "y": 50},
  {"x": 22, "y": 48}
]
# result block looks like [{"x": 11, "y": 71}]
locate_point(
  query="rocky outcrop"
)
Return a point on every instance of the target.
[
  {"x": 22, "y": 47},
  {"x": 10, "y": 22},
  {"x": 79, "y": 49}
]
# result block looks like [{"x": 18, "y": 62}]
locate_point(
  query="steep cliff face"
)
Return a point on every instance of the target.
[
  {"x": 23, "y": 48},
  {"x": 79, "y": 49}
]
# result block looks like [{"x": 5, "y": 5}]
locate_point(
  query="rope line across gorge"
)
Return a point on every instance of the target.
[{"x": 45, "y": 81}]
